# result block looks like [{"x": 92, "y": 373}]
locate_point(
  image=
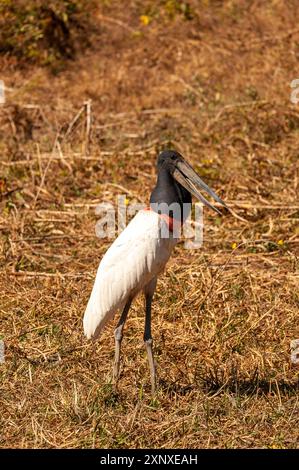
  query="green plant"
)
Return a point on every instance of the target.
[{"x": 43, "y": 33}]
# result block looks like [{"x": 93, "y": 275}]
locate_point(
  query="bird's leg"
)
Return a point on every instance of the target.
[
  {"x": 118, "y": 335},
  {"x": 148, "y": 340}
]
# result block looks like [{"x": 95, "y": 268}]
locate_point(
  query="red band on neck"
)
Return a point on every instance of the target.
[{"x": 169, "y": 220}]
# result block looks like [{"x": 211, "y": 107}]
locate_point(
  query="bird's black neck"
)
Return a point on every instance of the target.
[{"x": 168, "y": 193}]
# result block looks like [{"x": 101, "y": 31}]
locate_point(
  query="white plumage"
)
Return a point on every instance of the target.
[{"x": 137, "y": 256}]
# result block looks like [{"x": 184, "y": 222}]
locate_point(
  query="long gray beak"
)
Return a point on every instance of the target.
[{"x": 189, "y": 179}]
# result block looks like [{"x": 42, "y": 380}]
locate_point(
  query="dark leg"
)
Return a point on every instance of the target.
[
  {"x": 118, "y": 335},
  {"x": 148, "y": 340}
]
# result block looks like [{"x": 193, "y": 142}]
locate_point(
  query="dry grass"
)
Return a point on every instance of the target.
[{"x": 216, "y": 88}]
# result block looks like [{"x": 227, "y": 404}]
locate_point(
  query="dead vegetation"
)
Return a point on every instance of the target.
[
  {"x": 212, "y": 80},
  {"x": 46, "y": 33}
]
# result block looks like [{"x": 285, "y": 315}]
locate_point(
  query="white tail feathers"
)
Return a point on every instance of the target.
[{"x": 98, "y": 311}]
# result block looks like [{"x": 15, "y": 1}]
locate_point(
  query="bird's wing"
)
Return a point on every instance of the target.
[{"x": 133, "y": 259}]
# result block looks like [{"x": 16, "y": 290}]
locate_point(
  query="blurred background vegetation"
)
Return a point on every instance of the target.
[
  {"x": 49, "y": 32},
  {"x": 44, "y": 32}
]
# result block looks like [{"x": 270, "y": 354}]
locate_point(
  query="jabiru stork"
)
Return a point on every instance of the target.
[{"x": 140, "y": 253}]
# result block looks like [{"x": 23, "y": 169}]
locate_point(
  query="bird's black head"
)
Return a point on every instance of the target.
[
  {"x": 177, "y": 176},
  {"x": 168, "y": 158}
]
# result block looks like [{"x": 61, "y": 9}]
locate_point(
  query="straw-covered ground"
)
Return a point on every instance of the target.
[{"x": 211, "y": 79}]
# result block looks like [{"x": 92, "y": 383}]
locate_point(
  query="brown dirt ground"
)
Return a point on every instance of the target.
[{"x": 217, "y": 88}]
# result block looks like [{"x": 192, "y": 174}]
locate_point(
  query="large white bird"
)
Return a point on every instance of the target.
[{"x": 140, "y": 253}]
